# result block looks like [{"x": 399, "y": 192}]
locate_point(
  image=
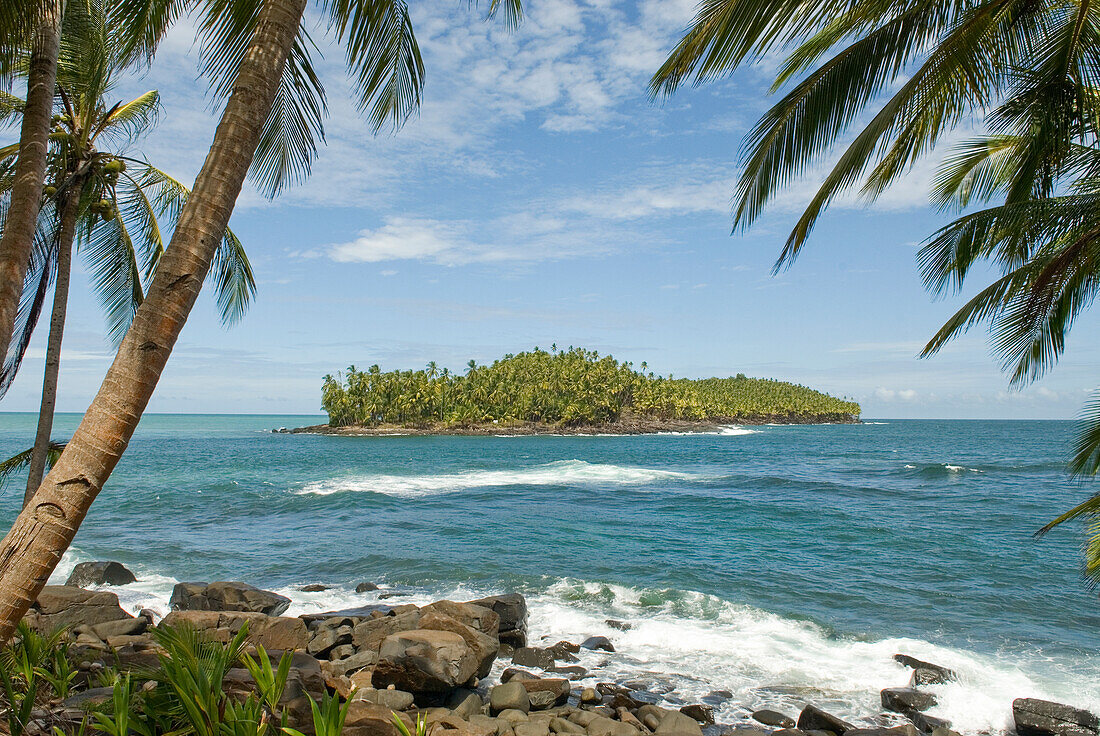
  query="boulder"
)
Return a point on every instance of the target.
[
  {"x": 121, "y": 627},
  {"x": 100, "y": 573},
  {"x": 464, "y": 703},
  {"x": 271, "y": 632},
  {"x": 607, "y": 727},
  {"x": 365, "y": 587},
  {"x": 370, "y": 719},
  {"x": 620, "y": 625},
  {"x": 557, "y": 687},
  {"x": 371, "y": 632},
  {"x": 813, "y": 718},
  {"x": 533, "y": 657},
  {"x": 773, "y": 718},
  {"x": 573, "y": 672},
  {"x": 64, "y": 605},
  {"x": 943, "y": 673},
  {"x": 513, "y": 673},
  {"x": 560, "y": 725},
  {"x": 701, "y": 713},
  {"x": 598, "y": 642},
  {"x": 328, "y": 635},
  {"x": 392, "y": 699},
  {"x": 478, "y": 618},
  {"x": 906, "y": 699},
  {"x": 542, "y": 699},
  {"x": 227, "y": 596},
  {"x": 512, "y": 611},
  {"x": 589, "y": 696},
  {"x": 313, "y": 588},
  {"x": 483, "y": 646},
  {"x": 1044, "y": 718},
  {"x": 679, "y": 724},
  {"x": 424, "y": 661},
  {"x": 509, "y": 696}
]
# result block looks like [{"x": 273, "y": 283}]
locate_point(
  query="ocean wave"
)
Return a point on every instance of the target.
[{"x": 560, "y": 473}]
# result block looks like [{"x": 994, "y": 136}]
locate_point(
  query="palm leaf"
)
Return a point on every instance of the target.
[{"x": 22, "y": 461}]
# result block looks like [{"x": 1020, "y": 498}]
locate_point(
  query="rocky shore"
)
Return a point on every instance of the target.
[
  {"x": 628, "y": 425},
  {"x": 471, "y": 668}
]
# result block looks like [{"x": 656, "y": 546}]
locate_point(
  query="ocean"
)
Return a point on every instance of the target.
[{"x": 783, "y": 564}]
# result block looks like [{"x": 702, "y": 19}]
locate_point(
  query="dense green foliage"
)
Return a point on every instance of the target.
[{"x": 569, "y": 387}]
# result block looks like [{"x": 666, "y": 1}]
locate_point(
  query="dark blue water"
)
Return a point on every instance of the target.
[{"x": 814, "y": 543}]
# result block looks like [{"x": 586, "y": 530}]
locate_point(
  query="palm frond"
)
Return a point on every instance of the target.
[
  {"x": 129, "y": 121},
  {"x": 112, "y": 262},
  {"x": 21, "y": 461}
]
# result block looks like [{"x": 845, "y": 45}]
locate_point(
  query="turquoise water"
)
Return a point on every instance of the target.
[{"x": 761, "y": 560}]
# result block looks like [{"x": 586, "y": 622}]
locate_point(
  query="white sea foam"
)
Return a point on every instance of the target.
[
  {"x": 735, "y": 431},
  {"x": 690, "y": 644},
  {"x": 561, "y": 473}
]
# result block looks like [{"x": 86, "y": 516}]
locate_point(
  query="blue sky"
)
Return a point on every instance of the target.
[{"x": 541, "y": 197}]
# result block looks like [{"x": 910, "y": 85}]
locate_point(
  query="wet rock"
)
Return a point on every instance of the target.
[
  {"x": 512, "y": 610},
  {"x": 509, "y": 696},
  {"x": 392, "y": 699},
  {"x": 64, "y": 605},
  {"x": 365, "y": 587},
  {"x": 1044, "y": 718},
  {"x": 702, "y": 713},
  {"x": 789, "y": 732},
  {"x": 773, "y": 718},
  {"x": 573, "y": 672},
  {"x": 371, "y": 719},
  {"x": 926, "y": 723},
  {"x": 424, "y": 661},
  {"x": 679, "y": 724},
  {"x": 744, "y": 731},
  {"x": 328, "y": 635},
  {"x": 227, "y": 596},
  {"x": 313, "y": 588},
  {"x": 717, "y": 697},
  {"x": 813, "y": 718},
  {"x": 533, "y": 657},
  {"x": 620, "y": 625},
  {"x": 906, "y": 699},
  {"x": 598, "y": 642},
  {"x": 100, "y": 573},
  {"x": 943, "y": 673}
]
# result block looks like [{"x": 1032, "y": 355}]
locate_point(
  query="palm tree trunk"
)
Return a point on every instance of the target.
[
  {"x": 66, "y": 235},
  {"x": 45, "y": 528},
  {"x": 30, "y": 168}
]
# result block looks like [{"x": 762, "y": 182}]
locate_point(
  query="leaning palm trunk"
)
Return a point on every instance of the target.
[
  {"x": 46, "y": 527},
  {"x": 66, "y": 235},
  {"x": 30, "y": 170}
]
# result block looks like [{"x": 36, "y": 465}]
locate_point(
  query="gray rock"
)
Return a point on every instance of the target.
[
  {"x": 789, "y": 732},
  {"x": 512, "y": 611},
  {"x": 906, "y": 699},
  {"x": 100, "y": 573},
  {"x": 533, "y": 657},
  {"x": 589, "y": 696},
  {"x": 557, "y": 687},
  {"x": 87, "y": 698},
  {"x": 227, "y": 596},
  {"x": 313, "y": 588},
  {"x": 392, "y": 699},
  {"x": 1044, "y": 718},
  {"x": 944, "y": 674},
  {"x": 572, "y": 671},
  {"x": 926, "y": 723},
  {"x": 541, "y": 699},
  {"x": 701, "y": 713},
  {"x": 532, "y": 728},
  {"x": 598, "y": 642},
  {"x": 560, "y": 725},
  {"x": 121, "y": 627},
  {"x": 464, "y": 703},
  {"x": 603, "y": 726},
  {"x": 476, "y": 617},
  {"x": 365, "y": 587},
  {"x": 620, "y": 625},
  {"x": 483, "y": 646},
  {"x": 514, "y": 673},
  {"x": 509, "y": 696},
  {"x": 424, "y": 661},
  {"x": 744, "y": 731},
  {"x": 773, "y": 718},
  {"x": 677, "y": 723},
  {"x": 813, "y": 718},
  {"x": 64, "y": 605}
]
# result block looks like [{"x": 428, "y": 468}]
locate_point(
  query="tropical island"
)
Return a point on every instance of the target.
[{"x": 572, "y": 391}]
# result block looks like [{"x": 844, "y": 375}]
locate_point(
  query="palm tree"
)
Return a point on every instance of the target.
[
  {"x": 255, "y": 53},
  {"x": 33, "y": 25},
  {"x": 1029, "y": 69},
  {"x": 117, "y": 205}
]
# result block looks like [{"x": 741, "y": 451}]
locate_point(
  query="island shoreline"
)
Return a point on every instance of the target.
[{"x": 633, "y": 425}]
